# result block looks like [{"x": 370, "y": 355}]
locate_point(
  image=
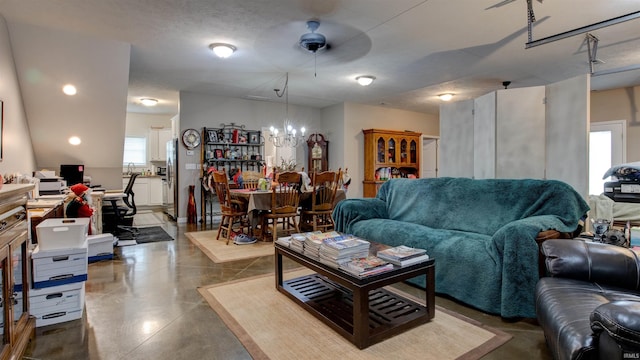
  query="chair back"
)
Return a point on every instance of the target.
[
  {"x": 285, "y": 196},
  {"x": 250, "y": 179},
  {"x": 221, "y": 186},
  {"x": 129, "y": 196},
  {"x": 325, "y": 186}
]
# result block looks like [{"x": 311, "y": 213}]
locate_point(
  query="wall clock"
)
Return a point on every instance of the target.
[{"x": 191, "y": 138}]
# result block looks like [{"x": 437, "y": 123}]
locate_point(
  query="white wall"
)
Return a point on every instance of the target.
[
  {"x": 17, "y": 152},
  {"x": 47, "y": 59}
]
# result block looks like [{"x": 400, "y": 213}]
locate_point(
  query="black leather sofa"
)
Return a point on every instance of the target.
[{"x": 589, "y": 304}]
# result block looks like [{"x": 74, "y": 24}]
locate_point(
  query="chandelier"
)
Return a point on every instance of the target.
[{"x": 289, "y": 136}]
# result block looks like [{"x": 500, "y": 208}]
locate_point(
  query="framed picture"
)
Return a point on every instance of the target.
[
  {"x": 213, "y": 136},
  {"x": 219, "y": 154},
  {"x": 254, "y": 137}
]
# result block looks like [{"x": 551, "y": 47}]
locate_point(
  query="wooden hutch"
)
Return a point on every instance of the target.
[
  {"x": 16, "y": 324},
  {"x": 389, "y": 154}
]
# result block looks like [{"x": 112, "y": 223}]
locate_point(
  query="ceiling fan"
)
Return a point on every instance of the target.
[{"x": 313, "y": 41}]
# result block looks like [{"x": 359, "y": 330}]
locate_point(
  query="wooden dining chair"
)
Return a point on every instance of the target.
[
  {"x": 285, "y": 198},
  {"x": 234, "y": 212},
  {"x": 316, "y": 215},
  {"x": 250, "y": 179}
]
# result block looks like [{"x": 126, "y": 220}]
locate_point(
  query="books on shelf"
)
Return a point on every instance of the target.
[
  {"x": 366, "y": 266},
  {"x": 403, "y": 255}
]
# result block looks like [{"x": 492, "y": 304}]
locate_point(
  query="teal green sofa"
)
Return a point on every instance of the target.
[{"x": 481, "y": 233}]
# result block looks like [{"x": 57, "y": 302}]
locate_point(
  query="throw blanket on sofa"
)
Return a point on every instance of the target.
[{"x": 481, "y": 232}]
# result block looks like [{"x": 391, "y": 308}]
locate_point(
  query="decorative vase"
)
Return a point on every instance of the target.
[{"x": 191, "y": 206}]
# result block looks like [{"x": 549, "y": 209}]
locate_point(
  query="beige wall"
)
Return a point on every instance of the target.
[
  {"x": 358, "y": 117},
  {"x": 620, "y": 104}
]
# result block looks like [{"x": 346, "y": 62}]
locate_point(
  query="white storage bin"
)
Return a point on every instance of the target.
[
  {"x": 57, "y": 304},
  {"x": 59, "y": 267},
  {"x": 61, "y": 233},
  {"x": 100, "y": 247}
]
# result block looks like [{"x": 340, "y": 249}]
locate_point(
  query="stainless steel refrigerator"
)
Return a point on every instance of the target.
[{"x": 170, "y": 198}]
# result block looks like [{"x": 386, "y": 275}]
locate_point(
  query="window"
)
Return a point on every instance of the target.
[
  {"x": 607, "y": 148},
  {"x": 135, "y": 151}
]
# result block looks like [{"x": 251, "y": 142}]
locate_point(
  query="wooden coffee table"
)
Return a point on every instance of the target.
[{"x": 358, "y": 309}]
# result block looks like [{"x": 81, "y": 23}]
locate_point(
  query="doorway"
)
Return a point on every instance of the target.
[
  {"x": 607, "y": 148},
  {"x": 429, "y": 157}
]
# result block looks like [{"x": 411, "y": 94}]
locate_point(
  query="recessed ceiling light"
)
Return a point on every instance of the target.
[
  {"x": 365, "y": 80},
  {"x": 222, "y": 50},
  {"x": 69, "y": 89},
  {"x": 148, "y": 102},
  {"x": 74, "y": 140},
  {"x": 446, "y": 97}
]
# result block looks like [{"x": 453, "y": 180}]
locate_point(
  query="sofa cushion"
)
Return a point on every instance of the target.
[{"x": 563, "y": 307}]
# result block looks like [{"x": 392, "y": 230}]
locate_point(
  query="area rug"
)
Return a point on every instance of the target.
[
  {"x": 218, "y": 250},
  {"x": 144, "y": 235},
  {"x": 272, "y": 326}
]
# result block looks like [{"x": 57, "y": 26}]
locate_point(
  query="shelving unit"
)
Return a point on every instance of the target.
[
  {"x": 230, "y": 147},
  {"x": 389, "y": 154}
]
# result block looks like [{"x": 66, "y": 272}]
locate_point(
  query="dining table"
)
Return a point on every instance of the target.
[{"x": 259, "y": 201}]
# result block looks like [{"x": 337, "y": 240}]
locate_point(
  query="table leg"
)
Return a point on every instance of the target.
[
  {"x": 361, "y": 318},
  {"x": 278, "y": 269},
  {"x": 430, "y": 297}
]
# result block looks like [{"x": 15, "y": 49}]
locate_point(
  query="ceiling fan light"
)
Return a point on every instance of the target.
[
  {"x": 365, "y": 80},
  {"x": 222, "y": 50},
  {"x": 445, "y": 97},
  {"x": 148, "y": 102}
]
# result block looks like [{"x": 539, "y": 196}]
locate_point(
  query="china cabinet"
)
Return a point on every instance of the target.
[
  {"x": 17, "y": 325},
  {"x": 230, "y": 147},
  {"x": 389, "y": 154}
]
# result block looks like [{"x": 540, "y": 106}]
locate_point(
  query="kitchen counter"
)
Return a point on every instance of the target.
[{"x": 144, "y": 176}]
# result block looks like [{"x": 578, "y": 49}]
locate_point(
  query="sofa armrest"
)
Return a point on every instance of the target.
[
  {"x": 593, "y": 262},
  {"x": 617, "y": 327},
  {"x": 350, "y": 211}
]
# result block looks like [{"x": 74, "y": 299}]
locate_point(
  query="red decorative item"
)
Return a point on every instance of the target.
[
  {"x": 191, "y": 207},
  {"x": 235, "y": 136}
]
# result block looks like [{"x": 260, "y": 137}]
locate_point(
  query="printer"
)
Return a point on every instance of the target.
[{"x": 49, "y": 184}]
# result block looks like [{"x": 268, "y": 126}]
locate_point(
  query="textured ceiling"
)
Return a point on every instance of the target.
[{"x": 416, "y": 49}]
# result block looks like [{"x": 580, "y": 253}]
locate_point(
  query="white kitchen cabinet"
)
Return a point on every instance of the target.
[
  {"x": 140, "y": 190},
  {"x": 147, "y": 190},
  {"x": 155, "y": 191},
  {"x": 158, "y": 144}
]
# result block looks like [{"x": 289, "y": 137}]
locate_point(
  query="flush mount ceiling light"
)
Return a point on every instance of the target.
[
  {"x": 365, "y": 80},
  {"x": 74, "y": 140},
  {"x": 222, "y": 50},
  {"x": 69, "y": 89},
  {"x": 445, "y": 97},
  {"x": 148, "y": 102}
]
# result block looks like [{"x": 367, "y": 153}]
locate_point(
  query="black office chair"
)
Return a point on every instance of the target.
[{"x": 118, "y": 215}]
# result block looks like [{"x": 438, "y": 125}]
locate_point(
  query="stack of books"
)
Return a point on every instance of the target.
[
  {"x": 297, "y": 242},
  {"x": 337, "y": 250},
  {"x": 314, "y": 242},
  {"x": 366, "y": 266},
  {"x": 403, "y": 255}
]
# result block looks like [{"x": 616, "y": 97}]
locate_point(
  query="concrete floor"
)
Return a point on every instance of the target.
[{"x": 144, "y": 305}]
